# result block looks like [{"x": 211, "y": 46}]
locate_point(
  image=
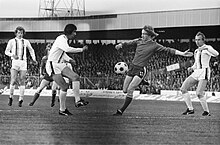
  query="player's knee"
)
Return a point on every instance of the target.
[
  {"x": 183, "y": 91},
  {"x": 64, "y": 89},
  {"x": 199, "y": 94},
  {"x": 130, "y": 93}
]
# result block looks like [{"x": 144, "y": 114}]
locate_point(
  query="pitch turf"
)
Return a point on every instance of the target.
[{"x": 144, "y": 122}]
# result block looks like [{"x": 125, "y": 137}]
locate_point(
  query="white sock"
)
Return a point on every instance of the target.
[
  {"x": 188, "y": 101},
  {"x": 204, "y": 103},
  {"x": 76, "y": 86},
  {"x": 62, "y": 98},
  {"x": 12, "y": 88},
  {"x": 21, "y": 89}
]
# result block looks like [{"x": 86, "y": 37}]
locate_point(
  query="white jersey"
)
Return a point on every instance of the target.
[
  {"x": 202, "y": 58},
  {"x": 59, "y": 49},
  {"x": 19, "y": 47}
]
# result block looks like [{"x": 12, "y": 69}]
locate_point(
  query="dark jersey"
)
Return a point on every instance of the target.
[{"x": 145, "y": 50}]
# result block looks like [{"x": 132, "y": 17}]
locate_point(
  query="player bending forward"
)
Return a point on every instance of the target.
[
  {"x": 200, "y": 76},
  {"x": 57, "y": 69}
]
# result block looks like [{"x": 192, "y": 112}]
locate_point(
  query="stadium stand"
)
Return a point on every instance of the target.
[{"x": 96, "y": 67}]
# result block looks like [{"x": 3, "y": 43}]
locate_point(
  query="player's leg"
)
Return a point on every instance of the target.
[
  {"x": 200, "y": 92},
  {"x": 58, "y": 78},
  {"x": 131, "y": 88},
  {"x": 22, "y": 86},
  {"x": 14, "y": 74},
  {"x": 74, "y": 77},
  {"x": 126, "y": 83},
  {"x": 54, "y": 93},
  {"x": 188, "y": 83},
  {"x": 43, "y": 84}
]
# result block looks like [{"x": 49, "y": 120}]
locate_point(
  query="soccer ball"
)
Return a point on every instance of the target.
[{"x": 121, "y": 68}]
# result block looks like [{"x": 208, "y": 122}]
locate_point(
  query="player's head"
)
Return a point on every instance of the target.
[
  {"x": 19, "y": 32},
  {"x": 70, "y": 31},
  {"x": 148, "y": 31},
  {"x": 200, "y": 39}
]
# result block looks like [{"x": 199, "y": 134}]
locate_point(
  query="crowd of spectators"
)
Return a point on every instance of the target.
[{"x": 96, "y": 66}]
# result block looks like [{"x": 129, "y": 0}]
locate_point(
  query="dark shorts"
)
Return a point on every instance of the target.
[
  {"x": 135, "y": 70},
  {"x": 48, "y": 78}
]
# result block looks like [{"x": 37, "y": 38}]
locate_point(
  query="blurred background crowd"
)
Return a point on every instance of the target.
[{"x": 96, "y": 67}]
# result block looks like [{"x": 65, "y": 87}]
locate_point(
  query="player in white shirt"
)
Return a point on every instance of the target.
[
  {"x": 58, "y": 69},
  {"x": 201, "y": 74},
  {"x": 17, "y": 50}
]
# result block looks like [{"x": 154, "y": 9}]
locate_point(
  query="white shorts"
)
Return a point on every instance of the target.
[
  {"x": 54, "y": 67},
  {"x": 19, "y": 65},
  {"x": 200, "y": 74}
]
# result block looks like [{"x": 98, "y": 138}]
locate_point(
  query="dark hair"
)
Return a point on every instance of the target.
[
  {"x": 19, "y": 28},
  {"x": 69, "y": 28},
  {"x": 201, "y": 34}
]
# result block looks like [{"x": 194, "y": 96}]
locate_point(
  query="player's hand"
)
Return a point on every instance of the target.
[
  {"x": 190, "y": 69},
  {"x": 15, "y": 56},
  {"x": 85, "y": 47},
  {"x": 72, "y": 62},
  {"x": 187, "y": 53},
  {"x": 41, "y": 76},
  {"x": 118, "y": 46},
  {"x": 35, "y": 62}
]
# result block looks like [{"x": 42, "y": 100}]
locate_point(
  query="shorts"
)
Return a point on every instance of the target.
[
  {"x": 200, "y": 74},
  {"x": 54, "y": 67},
  {"x": 19, "y": 65},
  {"x": 135, "y": 70},
  {"x": 48, "y": 78}
]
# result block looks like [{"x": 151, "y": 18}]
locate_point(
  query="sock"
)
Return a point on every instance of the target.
[
  {"x": 21, "y": 89},
  {"x": 76, "y": 86},
  {"x": 62, "y": 98},
  {"x": 36, "y": 96},
  {"x": 54, "y": 93},
  {"x": 204, "y": 103},
  {"x": 126, "y": 103},
  {"x": 188, "y": 101},
  {"x": 12, "y": 88}
]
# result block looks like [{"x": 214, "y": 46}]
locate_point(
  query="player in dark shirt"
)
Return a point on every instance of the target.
[
  {"x": 46, "y": 80},
  {"x": 146, "y": 47}
]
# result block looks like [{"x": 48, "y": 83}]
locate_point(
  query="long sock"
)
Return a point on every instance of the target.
[
  {"x": 204, "y": 103},
  {"x": 76, "y": 86},
  {"x": 12, "y": 88},
  {"x": 62, "y": 98},
  {"x": 36, "y": 96},
  {"x": 54, "y": 93},
  {"x": 126, "y": 103},
  {"x": 188, "y": 101},
  {"x": 21, "y": 89}
]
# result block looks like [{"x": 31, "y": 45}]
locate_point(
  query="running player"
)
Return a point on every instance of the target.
[
  {"x": 57, "y": 70},
  {"x": 17, "y": 50},
  {"x": 200, "y": 76},
  {"x": 145, "y": 48}
]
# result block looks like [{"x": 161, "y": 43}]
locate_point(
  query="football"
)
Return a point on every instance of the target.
[{"x": 121, "y": 68}]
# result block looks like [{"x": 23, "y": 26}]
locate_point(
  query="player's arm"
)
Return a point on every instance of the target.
[
  {"x": 32, "y": 53},
  {"x": 127, "y": 43},
  {"x": 8, "y": 50},
  {"x": 62, "y": 44},
  {"x": 209, "y": 50}
]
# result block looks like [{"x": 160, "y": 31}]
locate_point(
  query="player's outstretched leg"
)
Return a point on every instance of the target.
[{"x": 36, "y": 96}]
